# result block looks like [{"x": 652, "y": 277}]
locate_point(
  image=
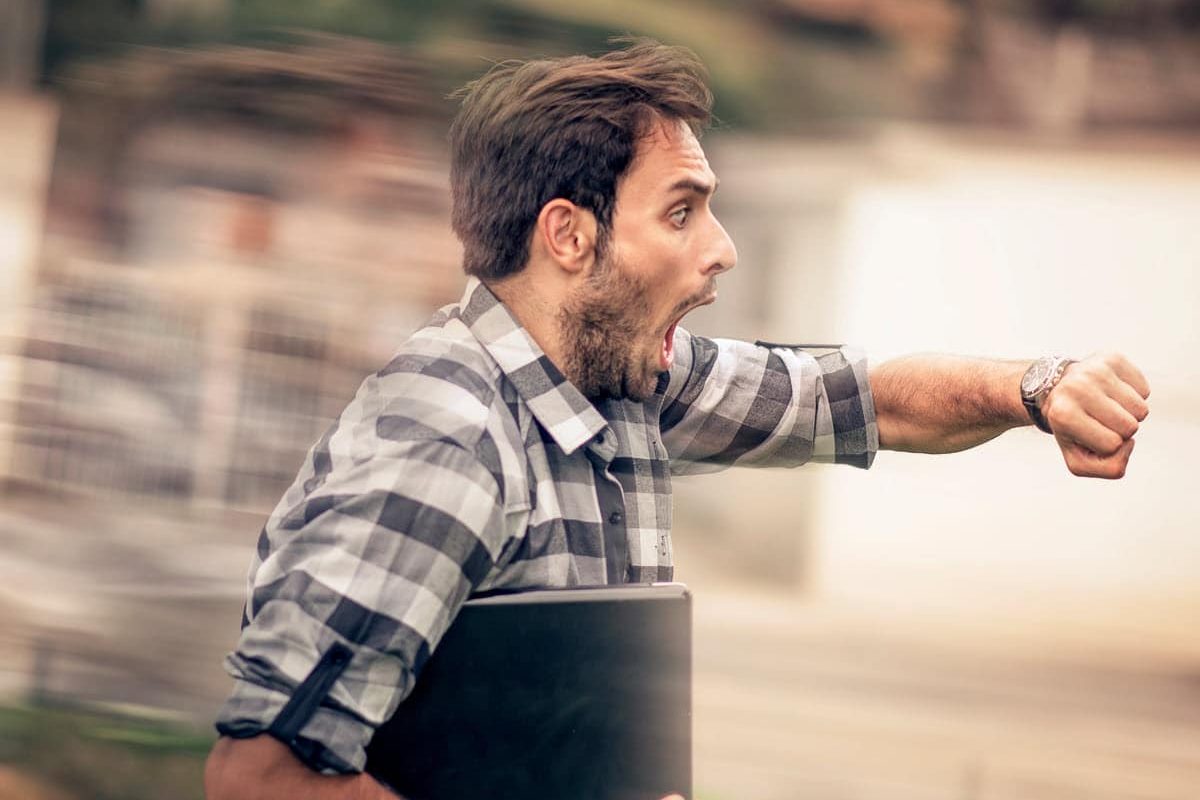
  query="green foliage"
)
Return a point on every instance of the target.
[
  {"x": 104, "y": 756},
  {"x": 377, "y": 19},
  {"x": 741, "y": 49}
]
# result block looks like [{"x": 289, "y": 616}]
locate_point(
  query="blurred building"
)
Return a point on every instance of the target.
[
  {"x": 1054, "y": 66},
  {"x": 841, "y": 602},
  {"x": 27, "y": 126},
  {"x": 257, "y": 234},
  {"x": 21, "y": 25}
]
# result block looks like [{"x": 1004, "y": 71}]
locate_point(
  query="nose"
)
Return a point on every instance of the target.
[{"x": 724, "y": 255}]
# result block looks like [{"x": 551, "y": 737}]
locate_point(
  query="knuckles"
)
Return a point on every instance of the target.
[
  {"x": 1097, "y": 369},
  {"x": 1113, "y": 361}
]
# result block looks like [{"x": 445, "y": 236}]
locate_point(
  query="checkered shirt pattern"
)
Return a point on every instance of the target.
[{"x": 469, "y": 464}]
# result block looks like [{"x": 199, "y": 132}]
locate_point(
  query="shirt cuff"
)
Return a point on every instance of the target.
[
  {"x": 331, "y": 742},
  {"x": 847, "y": 432}
]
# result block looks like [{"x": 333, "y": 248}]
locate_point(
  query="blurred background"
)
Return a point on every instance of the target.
[{"x": 217, "y": 216}]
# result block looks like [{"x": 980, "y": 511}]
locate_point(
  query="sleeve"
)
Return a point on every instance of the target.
[
  {"x": 731, "y": 403},
  {"x": 356, "y": 585}
]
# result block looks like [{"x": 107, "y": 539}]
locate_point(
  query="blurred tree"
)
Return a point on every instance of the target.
[
  {"x": 776, "y": 64},
  {"x": 86, "y": 28},
  {"x": 378, "y": 19}
]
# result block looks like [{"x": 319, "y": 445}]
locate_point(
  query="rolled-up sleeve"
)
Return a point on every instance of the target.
[
  {"x": 731, "y": 403},
  {"x": 354, "y": 585}
]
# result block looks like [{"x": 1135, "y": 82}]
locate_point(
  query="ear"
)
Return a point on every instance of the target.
[{"x": 567, "y": 232}]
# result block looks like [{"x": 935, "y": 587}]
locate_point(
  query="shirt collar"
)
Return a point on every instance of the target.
[{"x": 556, "y": 403}]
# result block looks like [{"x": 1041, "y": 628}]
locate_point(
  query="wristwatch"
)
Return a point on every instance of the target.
[{"x": 1042, "y": 376}]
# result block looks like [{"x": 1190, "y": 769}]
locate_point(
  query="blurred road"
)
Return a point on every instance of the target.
[
  {"x": 792, "y": 699},
  {"x": 795, "y": 701}
]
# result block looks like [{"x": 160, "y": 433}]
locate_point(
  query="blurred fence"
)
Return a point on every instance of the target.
[{"x": 215, "y": 284}]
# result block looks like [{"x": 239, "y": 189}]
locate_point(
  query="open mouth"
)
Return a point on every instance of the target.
[
  {"x": 667, "y": 354},
  {"x": 667, "y": 357}
]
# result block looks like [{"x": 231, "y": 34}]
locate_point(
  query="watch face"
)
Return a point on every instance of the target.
[{"x": 1036, "y": 375}]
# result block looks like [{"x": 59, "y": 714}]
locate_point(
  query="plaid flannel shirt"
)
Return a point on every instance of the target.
[{"x": 469, "y": 464}]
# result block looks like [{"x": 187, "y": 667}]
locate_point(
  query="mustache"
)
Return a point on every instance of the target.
[{"x": 694, "y": 299}]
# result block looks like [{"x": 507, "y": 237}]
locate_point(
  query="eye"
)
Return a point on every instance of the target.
[{"x": 679, "y": 216}]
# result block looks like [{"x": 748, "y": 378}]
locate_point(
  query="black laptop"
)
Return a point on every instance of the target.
[{"x": 572, "y": 694}]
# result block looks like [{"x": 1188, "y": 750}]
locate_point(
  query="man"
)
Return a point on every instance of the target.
[{"x": 526, "y": 437}]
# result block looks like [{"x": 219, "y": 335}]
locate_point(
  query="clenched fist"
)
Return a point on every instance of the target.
[{"x": 1094, "y": 412}]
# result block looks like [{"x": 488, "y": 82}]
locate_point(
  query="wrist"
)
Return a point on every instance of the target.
[{"x": 1038, "y": 383}]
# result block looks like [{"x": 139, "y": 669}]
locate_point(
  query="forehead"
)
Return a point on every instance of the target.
[{"x": 669, "y": 152}]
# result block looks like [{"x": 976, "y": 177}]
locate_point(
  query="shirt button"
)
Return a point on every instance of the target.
[{"x": 615, "y": 517}]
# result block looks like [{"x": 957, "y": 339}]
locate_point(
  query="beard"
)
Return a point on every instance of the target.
[{"x": 601, "y": 325}]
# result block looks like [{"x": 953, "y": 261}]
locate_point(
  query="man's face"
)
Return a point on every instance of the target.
[{"x": 663, "y": 256}]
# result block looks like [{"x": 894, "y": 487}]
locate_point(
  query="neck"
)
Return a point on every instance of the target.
[{"x": 537, "y": 313}]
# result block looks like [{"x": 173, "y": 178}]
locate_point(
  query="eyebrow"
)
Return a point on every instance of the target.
[{"x": 697, "y": 187}]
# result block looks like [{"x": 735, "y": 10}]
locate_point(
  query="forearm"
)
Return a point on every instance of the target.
[
  {"x": 942, "y": 404},
  {"x": 262, "y": 768}
]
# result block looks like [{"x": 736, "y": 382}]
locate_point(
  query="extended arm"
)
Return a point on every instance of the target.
[
  {"x": 942, "y": 404},
  {"x": 765, "y": 405}
]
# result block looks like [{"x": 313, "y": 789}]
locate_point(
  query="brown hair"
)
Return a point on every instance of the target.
[{"x": 530, "y": 132}]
